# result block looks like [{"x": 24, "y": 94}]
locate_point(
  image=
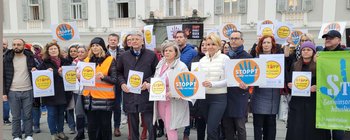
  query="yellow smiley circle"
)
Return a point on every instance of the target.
[
  {"x": 283, "y": 32},
  {"x": 273, "y": 69},
  {"x": 301, "y": 82},
  {"x": 88, "y": 73},
  {"x": 135, "y": 80},
  {"x": 71, "y": 77},
  {"x": 158, "y": 87},
  {"x": 43, "y": 82}
]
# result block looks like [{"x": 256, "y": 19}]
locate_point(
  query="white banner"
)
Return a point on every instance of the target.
[
  {"x": 274, "y": 70},
  {"x": 187, "y": 85},
  {"x": 339, "y": 26},
  {"x": 134, "y": 83},
  {"x": 194, "y": 66},
  {"x": 148, "y": 36},
  {"x": 43, "y": 83},
  {"x": 301, "y": 84},
  {"x": 227, "y": 29},
  {"x": 171, "y": 31},
  {"x": 157, "y": 90},
  {"x": 266, "y": 29},
  {"x": 65, "y": 31},
  {"x": 69, "y": 76},
  {"x": 249, "y": 71},
  {"x": 282, "y": 32},
  {"x": 87, "y": 73}
]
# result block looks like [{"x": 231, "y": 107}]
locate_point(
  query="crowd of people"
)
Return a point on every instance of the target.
[{"x": 221, "y": 115}]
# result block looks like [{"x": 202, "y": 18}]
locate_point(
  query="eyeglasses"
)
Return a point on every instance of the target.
[{"x": 235, "y": 38}]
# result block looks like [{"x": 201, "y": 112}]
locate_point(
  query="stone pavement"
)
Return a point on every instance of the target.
[{"x": 45, "y": 134}]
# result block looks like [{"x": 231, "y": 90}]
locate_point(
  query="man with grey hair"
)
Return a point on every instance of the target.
[{"x": 138, "y": 59}]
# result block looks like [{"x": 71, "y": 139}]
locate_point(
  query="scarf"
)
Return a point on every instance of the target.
[
  {"x": 56, "y": 60},
  {"x": 234, "y": 52}
]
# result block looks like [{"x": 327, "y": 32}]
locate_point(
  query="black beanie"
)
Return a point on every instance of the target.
[{"x": 99, "y": 41}]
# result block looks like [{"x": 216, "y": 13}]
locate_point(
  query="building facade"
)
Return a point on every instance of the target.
[{"x": 32, "y": 19}]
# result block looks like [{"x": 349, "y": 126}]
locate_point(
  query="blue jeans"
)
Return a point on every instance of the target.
[
  {"x": 36, "y": 113},
  {"x": 337, "y": 134},
  {"x": 6, "y": 110},
  {"x": 70, "y": 119},
  {"x": 55, "y": 118}
]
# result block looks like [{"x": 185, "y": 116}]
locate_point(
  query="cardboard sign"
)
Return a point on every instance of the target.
[
  {"x": 87, "y": 73},
  {"x": 65, "y": 31},
  {"x": 339, "y": 26},
  {"x": 301, "y": 84},
  {"x": 193, "y": 31},
  {"x": 249, "y": 71},
  {"x": 171, "y": 31},
  {"x": 157, "y": 90},
  {"x": 187, "y": 85},
  {"x": 135, "y": 79},
  {"x": 70, "y": 80},
  {"x": 43, "y": 83},
  {"x": 274, "y": 70}
]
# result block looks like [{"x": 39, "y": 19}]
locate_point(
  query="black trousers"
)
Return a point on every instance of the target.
[
  {"x": 99, "y": 125},
  {"x": 264, "y": 126},
  {"x": 134, "y": 119},
  {"x": 235, "y": 128}
]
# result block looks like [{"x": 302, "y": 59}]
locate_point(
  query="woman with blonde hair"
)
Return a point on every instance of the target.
[{"x": 213, "y": 65}]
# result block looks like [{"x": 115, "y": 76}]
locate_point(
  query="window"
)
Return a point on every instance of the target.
[
  {"x": 174, "y": 8},
  {"x": 122, "y": 10},
  {"x": 294, "y": 6},
  {"x": 76, "y": 12},
  {"x": 32, "y": 10},
  {"x": 34, "y": 13},
  {"x": 230, "y": 6},
  {"x": 348, "y": 4}
]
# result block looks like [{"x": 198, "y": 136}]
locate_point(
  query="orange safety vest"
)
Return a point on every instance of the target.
[{"x": 101, "y": 90}]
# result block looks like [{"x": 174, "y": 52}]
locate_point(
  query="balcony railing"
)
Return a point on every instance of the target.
[
  {"x": 121, "y": 23},
  {"x": 298, "y": 19},
  {"x": 34, "y": 25}
]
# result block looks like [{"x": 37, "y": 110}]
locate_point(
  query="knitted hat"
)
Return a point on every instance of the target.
[
  {"x": 308, "y": 44},
  {"x": 99, "y": 41}
]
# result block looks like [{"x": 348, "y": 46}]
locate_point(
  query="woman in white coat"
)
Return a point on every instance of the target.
[{"x": 174, "y": 112}]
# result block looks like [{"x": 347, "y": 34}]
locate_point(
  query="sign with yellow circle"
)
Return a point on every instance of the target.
[
  {"x": 158, "y": 87},
  {"x": 88, "y": 72},
  {"x": 283, "y": 32},
  {"x": 43, "y": 82},
  {"x": 148, "y": 36},
  {"x": 301, "y": 82},
  {"x": 267, "y": 31},
  {"x": 273, "y": 69},
  {"x": 135, "y": 80},
  {"x": 71, "y": 77}
]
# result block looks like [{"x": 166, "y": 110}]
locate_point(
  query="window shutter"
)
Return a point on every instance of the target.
[
  {"x": 242, "y": 6},
  {"x": 132, "y": 8},
  {"x": 66, "y": 9},
  {"x": 218, "y": 7},
  {"x": 25, "y": 8},
  {"x": 41, "y": 10},
  {"x": 348, "y": 4},
  {"x": 307, "y": 5},
  {"x": 281, "y": 5},
  {"x": 111, "y": 9},
  {"x": 84, "y": 9}
]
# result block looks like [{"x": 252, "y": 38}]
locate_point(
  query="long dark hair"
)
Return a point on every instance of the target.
[
  {"x": 259, "y": 48},
  {"x": 125, "y": 43},
  {"x": 69, "y": 57}
]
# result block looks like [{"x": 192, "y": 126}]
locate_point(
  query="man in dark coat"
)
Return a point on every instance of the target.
[
  {"x": 237, "y": 98},
  {"x": 138, "y": 59},
  {"x": 18, "y": 89}
]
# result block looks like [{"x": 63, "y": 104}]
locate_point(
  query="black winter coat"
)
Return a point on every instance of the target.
[
  {"x": 237, "y": 98},
  {"x": 301, "y": 116},
  {"x": 61, "y": 97},
  {"x": 9, "y": 68},
  {"x": 146, "y": 62}
]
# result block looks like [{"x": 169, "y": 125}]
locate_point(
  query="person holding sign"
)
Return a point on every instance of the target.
[
  {"x": 143, "y": 60},
  {"x": 265, "y": 101},
  {"x": 99, "y": 99},
  {"x": 302, "y": 110},
  {"x": 56, "y": 105},
  {"x": 174, "y": 112},
  {"x": 18, "y": 89},
  {"x": 237, "y": 97},
  {"x": 213, "y": 65}
]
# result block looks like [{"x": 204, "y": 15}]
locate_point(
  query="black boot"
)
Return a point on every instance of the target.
[{"x": 80, "y": 136}]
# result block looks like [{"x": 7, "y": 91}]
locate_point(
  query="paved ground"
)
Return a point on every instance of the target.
[{"x": 45, "y": 134}]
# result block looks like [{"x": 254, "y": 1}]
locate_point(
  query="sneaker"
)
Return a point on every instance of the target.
[
  {"x": 72, "y": 131},
  {"x": 7, "y": 122},
  {"x": 62, "y": 136},
  {"x": 29, "y": 138},
  {"x": 17, "y": 139},
  {"x": 36, "y": 130}
]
